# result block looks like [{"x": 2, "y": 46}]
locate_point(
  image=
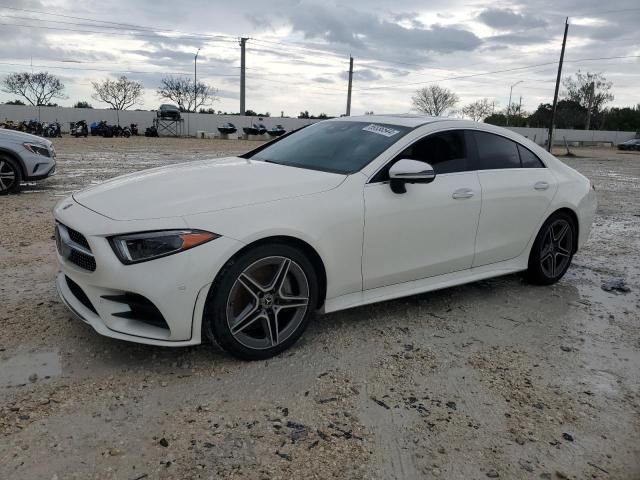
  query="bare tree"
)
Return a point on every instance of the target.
[
  {"x": 589, "y": 90},
  {"x": 37, "y": 88},
  {"x": 181, "y": 90},
  {"x": 434, "y": 100},
  {"x": 579, "y": 89},
  {"x": 478, "y": 110},
  {"x": 121, "y": 94}
]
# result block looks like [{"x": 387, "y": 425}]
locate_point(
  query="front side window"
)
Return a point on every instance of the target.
[
  {"x": 444, "y": 151},
  {"x": 496, "y": 152},
  {"x": 333, "y": 146}
]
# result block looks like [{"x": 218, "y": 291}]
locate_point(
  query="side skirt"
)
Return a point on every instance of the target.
[{"x": 414, "y": 287}]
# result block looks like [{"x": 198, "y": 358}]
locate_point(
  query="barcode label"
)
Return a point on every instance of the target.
[{"x": 380, "y": 130}]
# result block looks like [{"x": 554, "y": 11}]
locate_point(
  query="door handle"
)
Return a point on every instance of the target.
[
  {"x": 462, "y": 193},
  {"x": 541, "y": 185}
]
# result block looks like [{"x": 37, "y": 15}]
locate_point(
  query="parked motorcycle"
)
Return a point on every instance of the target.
[
  {"x": 126, "y": 132},
  {"x": 80, "y": 129},
  {"x": 100, "y": 128},
  {"x": 51, "y": 130},
  {"x": 34, "y": 127},
  {"x": 9, "y": 125},
  {"x": 151, "y": 132}
]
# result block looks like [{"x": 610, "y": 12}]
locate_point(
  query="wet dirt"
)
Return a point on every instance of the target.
[{"x": 493, "y": 379}]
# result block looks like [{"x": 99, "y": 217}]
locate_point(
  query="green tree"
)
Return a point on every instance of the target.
[
  {"x": 82, "y": 104},
  {"x": 625, "y": 119}
]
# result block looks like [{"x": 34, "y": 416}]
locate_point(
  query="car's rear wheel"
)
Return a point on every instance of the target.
[
  {"x": 262, "y": 301},
  {"x": 10, "y": 176},
  {"x": 552, "y": 250}
]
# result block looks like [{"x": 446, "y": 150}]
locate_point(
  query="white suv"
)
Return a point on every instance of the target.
[{"x": 24, "y": 157}]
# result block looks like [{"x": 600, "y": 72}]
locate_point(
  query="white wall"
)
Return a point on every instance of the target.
[
  {"x": 210, "y": 123},
  {"x": 540, "y": 135},
  {"x": 192, "y": 121}
]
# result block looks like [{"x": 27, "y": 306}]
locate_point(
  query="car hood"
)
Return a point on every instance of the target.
[
  {"x": 15, "y": 136},
  {"x": 201, "y": 186}
]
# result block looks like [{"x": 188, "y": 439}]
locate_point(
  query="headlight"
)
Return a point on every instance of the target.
[
  {"x": 140, "y": 247},
  {"x": 37, "y": 149}
]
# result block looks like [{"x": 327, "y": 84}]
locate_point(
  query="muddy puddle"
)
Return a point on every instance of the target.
[{"x": 26, "y": 368}]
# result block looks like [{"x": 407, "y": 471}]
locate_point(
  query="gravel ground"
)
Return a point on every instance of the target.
[{"x": 493, "y": 379}]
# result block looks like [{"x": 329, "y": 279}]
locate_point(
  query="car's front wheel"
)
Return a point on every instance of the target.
[
  {"x": 552, "y": 250},
  {"x": 262, "y": 301},
  {"x": 10, "y": 176}
]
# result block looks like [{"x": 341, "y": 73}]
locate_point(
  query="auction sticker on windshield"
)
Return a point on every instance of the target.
[{"x": 380, "y": 130}]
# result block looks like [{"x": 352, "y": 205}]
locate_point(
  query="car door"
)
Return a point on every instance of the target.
[
  {"x": 517, "y": 189},
  {"x": 430, "y": 229}
]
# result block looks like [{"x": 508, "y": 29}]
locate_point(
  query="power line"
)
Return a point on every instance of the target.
[
  {"x": 215, "y": 38},
  {"x": 459, "y": 77},
  {"x": 159, "y": 72},
  {"x": 326, "y": 53},
  {"x": 605, "y": 12},
  {"x": 127, "y": 25}
]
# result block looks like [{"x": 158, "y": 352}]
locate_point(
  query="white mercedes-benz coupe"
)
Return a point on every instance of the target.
[{"x": 243, "y": 250}]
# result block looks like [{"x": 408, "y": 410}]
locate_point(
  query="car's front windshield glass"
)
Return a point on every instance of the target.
[{"x": 333, "y": 146}]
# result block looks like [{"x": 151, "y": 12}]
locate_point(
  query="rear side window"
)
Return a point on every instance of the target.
[
  {"x": 446, "y": 152},
  {"x": 529, "y": 159},
  {"x": 496, "y": 152}
]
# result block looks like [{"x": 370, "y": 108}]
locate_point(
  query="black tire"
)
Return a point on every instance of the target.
[
  {"x": 552, "y": 250},
  {"x": 10, "y": 175},
  {"x": 216, "y": 322}
]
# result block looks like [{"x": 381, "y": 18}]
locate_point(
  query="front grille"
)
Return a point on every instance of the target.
[
  {"x": 73, "y": 246},
  {"x": 78, "y": 238},
  {"x": 82, "y": 260},
  {"x": 79, "y": 294}
]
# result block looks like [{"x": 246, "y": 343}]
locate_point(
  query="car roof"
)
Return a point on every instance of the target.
[{"x": 403, "y": 120}]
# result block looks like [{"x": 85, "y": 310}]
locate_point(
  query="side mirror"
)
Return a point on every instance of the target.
[{"x": 409, "y": 171}]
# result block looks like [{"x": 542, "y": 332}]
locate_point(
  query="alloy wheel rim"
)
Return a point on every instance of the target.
[
  {"x": 555, "y": 253},
  {"x": 7, "y": 175},
  {"x": 267, "y": 302}
]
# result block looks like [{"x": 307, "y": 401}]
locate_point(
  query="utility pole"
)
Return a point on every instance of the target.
[
  {"x": 592, "y": 92},
  {"x": 555, "y": 96},
  {"x": 509, "y": 106},
  {"x": 350, "y": 82},
  {"x": 195, "y": 81},
  {"x": 520, "y": 107},
  {"x": 243, "y": 42}
]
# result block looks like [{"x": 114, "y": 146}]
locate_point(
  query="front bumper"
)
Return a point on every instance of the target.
[
  {"x": 176, "y": 285},
  {"x": 80, "y": 312},
  {"x": 38, "y": 167}
]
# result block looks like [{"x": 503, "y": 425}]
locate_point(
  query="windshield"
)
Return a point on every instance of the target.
[{"x": 338, "y": 146}]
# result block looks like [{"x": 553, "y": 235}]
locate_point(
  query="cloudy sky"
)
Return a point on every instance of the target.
[{"x": 298, "y": 52}]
